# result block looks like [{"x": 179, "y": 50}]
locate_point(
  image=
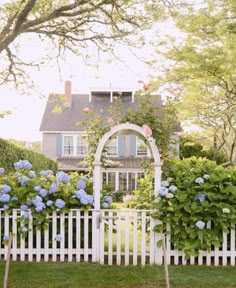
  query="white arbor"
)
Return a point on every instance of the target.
[{"x": 123, "y": 129}]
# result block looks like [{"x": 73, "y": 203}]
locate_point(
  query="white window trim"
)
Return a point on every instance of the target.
[
  {"x": 116, "y": 154},
  {"x": 74, "y": 135}
]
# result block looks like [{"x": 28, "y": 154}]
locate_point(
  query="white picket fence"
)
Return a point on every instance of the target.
[{"x": 104, "y": 236}]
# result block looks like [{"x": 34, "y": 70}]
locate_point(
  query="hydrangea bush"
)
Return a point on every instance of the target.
[
  {"x": 42, "y": 194},
  {"x": 197, "y": 192}
]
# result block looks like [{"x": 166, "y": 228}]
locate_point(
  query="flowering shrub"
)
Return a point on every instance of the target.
[
  {"x": 196, "y": 193},
  {"x": 43, "y": 194}
]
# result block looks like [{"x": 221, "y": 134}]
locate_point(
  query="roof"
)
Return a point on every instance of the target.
[
  {"x": 75, "y": 163},
  {"x": 67, "y": 118}
]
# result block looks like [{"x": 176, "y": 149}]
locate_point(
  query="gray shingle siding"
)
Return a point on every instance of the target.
[{"x": 49, "y": 145}]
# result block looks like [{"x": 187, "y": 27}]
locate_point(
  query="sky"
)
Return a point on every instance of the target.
[{"x": 27, "y": 110}]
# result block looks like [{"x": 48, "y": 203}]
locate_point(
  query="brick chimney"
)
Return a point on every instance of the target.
[{"x": 68, "y": 93}]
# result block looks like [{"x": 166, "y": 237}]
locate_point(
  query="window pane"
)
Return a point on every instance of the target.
[
  {"x": 68, "y": 145},
  {"x": 122, "y": 181},
  {"x": 131, "y": 182},
  {"x": 112, "y": 180},
  {"x": 82, "y": 147},
  {"x": 112, "y": 147},
  {"x": 141, "y": 148}
]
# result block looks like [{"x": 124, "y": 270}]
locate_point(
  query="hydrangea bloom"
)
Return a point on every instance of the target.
[
  {"x": 32, "y": 174},
  {"x": 23, "y": 164},
  {"x": 206, "y": 176},
  {"x": 53, "y": 188},
  {"x": 43, "y": 193},
  {"x": 24, "y": 207},
  {"x": 58, "y": 237},
  {"x": 163, "y": 191},
  {"x": 24, "y": 229},
  {"x": 108, "y": 199},
  {"x": 2, "y": 170},
  {"x": 23, "y": 180},
  {"x": 26, "y": 215},
  {"x": 105, "y": 205},
  {"x": 81, "y": 184},
  {"x": 39, "y": 206},
  {"x": 45, "y": 173},
  {"x": 60, "y": 203},
  {"x": 199, "y": 180},
  {"x": 36, "y": 200},
  {"x": 37, "y": 188},
  {"x": 14, "y": 198},
  {"x": 90, "y": 199},
  {"x": 172, "y": 188},
  {"x": 201, "y": 197},
  {"x": 62, "y": 177},
  {"x": 226, "y": 210},
  {"x": 165, "y": 183},
  {"x": 80, "y": 194},
  {"x": 5, "y": 188},
  {"x": 4, "y": 198},
  {"x": 49, "y": 203},
  {"x": 199, "y": 224},
  {"x": 84, "y": 200}
]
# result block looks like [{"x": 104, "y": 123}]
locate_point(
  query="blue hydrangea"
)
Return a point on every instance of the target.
[
  {"x": 172, "y": 188},
  {"x": 4, "y": 198},
  {"x": 90, "y": 199},
  {"x": 37, "y": 188},
  {"x": 2, "y": 170},
  {"x": 81, "y": 184},
  {"x": 43, "y": 193},
  {"x": 36, "y": 200},
  {"x": 163, "y": 191},
  {"x": 23, "y": 164},
  {"x": 79, "y": 194},
  {"x": 24, "y": 229},
  {"x": 108, "y": 199},
  {"x": 201, "y": 197},
  {"x": 200, "y": 225},
  {"x": 62, "y": 177},
  {"x": 105, "y": 205},
  {"x": 165, "y": 183},
  {"x": 14, "y": 199},
  {"x": 5, "y": 188},
  {"x": 53, "y": 188},
  {"x": 32, "y": 174},
  {"x": 58, "y": 237},
  {"x": 24, "y": 207},
  {"x": 49, "y": 203},
  {"x": 26, "y": 215},
  {"x": 5, "y": 207},
  {"x": 45, "y": 173},
  {"x": 39, "y": 206},
  {"x": 23, "y": 180},
  {"x": 84, "y": 200},
  {"x": 60, "y": 203},
  {"x": 199, "y": 180},
  {"x": 5, "y": 238}
]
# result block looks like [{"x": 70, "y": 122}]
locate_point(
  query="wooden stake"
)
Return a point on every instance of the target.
[
  {"x": 7, "y": 261},
  {"x": 165, "y": 262}
]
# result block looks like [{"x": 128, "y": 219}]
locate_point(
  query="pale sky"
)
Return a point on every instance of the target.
[{"x": 27, "y": 110}]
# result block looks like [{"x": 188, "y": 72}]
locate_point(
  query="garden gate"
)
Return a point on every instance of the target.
[{"x": 130, "y": 219}]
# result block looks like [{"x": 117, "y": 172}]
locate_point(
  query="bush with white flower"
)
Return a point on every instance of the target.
[
  {"x": 196, "y": 192},
  {"x": 40, "y": 195}
]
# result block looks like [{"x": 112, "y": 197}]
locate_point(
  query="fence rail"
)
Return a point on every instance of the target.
[{"x": 106, "y": 236}]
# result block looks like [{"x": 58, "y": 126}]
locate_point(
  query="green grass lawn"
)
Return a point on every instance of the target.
[{"x": 71, "y": 275}]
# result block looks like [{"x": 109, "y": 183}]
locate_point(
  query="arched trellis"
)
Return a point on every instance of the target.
[{"x": 123, "y": 129}]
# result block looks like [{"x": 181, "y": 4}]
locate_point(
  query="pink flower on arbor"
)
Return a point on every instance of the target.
[
  {"x": 87, "y": 110},
  {"x": 140, "y": 81},
  {"x": 110, "y": 121},
  {"x": 147, "y": 130}
]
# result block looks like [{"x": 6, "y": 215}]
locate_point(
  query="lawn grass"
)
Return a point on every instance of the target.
[{"x": 71, "y": 275}]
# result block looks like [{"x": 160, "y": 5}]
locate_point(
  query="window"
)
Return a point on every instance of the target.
[
  {"x": 112, "y": 147},
  {"x": 122, "y": 181},
  {"x": 74, "y": 145},
  {"x": 110, "y": 179},
  {"x": 82, "y": 147},
  {"x": 68, "y": 145},
  {"x": 132, "y": 181},
  {"x": 141, "y": 148}
]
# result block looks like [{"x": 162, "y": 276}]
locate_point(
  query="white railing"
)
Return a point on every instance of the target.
[{"x": 104, "y": 236}]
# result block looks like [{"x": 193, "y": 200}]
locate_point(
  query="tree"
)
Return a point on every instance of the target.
[
  {"x": 204, "y": 63},
  {"x": 66, "y": 25}
]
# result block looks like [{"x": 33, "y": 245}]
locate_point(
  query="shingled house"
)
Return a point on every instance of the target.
[{"x": 63, "y": 141}]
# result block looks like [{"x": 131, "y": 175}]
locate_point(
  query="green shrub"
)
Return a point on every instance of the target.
[
  {"x": 10, "y": 154},
  {"x": 197, "y": 192}
]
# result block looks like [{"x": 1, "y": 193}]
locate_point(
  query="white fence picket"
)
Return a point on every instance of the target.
[{"x": 126, "y": 243}]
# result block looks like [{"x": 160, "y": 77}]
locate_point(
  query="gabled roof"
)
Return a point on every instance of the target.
[{"x": 67, "y": 118}]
